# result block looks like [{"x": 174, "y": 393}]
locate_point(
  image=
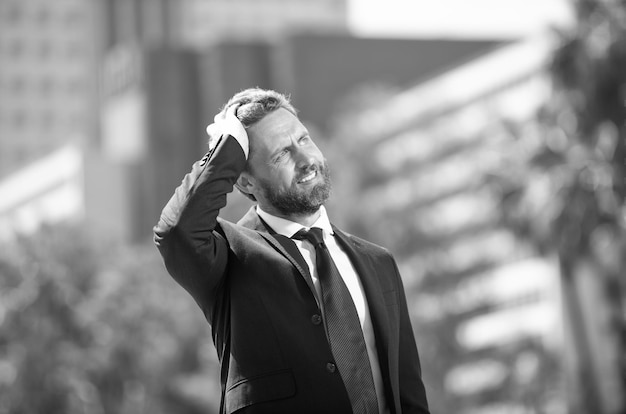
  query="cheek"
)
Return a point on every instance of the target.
[
  {"x": 285, "y": 178},
  {"x": 286, "y": 175},
  {"x": 277, "y": 177}
]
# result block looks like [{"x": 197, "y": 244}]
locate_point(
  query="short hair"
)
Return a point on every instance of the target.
[{"x": 256, "y": 103}]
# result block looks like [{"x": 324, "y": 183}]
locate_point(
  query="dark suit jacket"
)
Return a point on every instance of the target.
[{"x": 251, "y": 286}]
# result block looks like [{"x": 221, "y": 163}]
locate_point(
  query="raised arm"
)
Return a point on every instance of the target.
[{"x": 187, "y": 234}]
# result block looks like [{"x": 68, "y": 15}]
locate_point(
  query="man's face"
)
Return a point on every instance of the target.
[{"x": 289, "y": 171}]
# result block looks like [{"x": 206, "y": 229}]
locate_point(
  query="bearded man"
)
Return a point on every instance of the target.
[{"x": 305, "y": 318}]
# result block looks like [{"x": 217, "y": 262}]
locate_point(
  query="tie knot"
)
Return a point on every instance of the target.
[{"x": 315, "y": 236}]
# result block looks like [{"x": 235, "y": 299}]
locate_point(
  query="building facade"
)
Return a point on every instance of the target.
[
  {"x": 47, "y": 83},
  {"x": 500, "y": 326},
  {"x": 199, "y": 23}
]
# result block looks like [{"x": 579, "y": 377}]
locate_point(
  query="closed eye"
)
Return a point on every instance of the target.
[{"x": 280, "y": 155}]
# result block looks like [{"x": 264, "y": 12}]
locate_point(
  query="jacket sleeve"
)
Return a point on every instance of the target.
[
  {"x": 412, "y": 391},
  {"x": 188, "y": 236}
]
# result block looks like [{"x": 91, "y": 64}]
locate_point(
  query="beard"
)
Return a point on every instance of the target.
[{"x": 295, "y": 201}]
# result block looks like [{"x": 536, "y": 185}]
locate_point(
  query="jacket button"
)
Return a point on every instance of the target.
[
  {"x": 316, "y": 319},
  {"x": 330, "y": 367}
]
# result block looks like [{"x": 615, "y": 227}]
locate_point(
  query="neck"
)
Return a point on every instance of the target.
[{"x": 304, "y": 219}]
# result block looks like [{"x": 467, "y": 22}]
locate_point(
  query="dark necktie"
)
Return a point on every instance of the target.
[{"x": 343, "y": 327}]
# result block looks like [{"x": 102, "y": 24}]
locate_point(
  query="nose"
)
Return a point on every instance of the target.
[{"x": 305, "y": 158}]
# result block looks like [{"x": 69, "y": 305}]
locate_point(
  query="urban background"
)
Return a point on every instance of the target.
[{"x": 482, "y": 142}]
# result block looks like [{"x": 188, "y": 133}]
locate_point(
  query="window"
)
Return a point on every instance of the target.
[
  {"x": 74, "y": 17},
  {"x": 16, "y": 48},
  {"x": 17, "y": 85},
  {"x": 47, "y": 120},
  {"x": 21, "y": 155},
  {"x": 74, "y": 50},
  {"x": 44, "y": 49},
  {"x": 46, "y": 86},
  {"x": 75, "y": 120},
  {"x": 19, "y": 119},
  {"x": 43, "y": 15},
  {"x": 14, "y": 12},
  {"x": 74, "y": 86}
]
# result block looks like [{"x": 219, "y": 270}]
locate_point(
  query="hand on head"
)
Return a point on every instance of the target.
[{"x": 225, "y": 122}]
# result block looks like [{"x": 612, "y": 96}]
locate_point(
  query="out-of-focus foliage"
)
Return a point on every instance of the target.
[
  {"x": 570, "y": 197},
  {"x": 91, "y": 328},
  {"x": 581, "y": 143}
]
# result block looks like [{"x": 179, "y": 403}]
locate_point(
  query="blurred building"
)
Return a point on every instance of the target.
[
  {"x": 432, "y": 150},
  {"x": 488, "y": 308},
  {"x": 150, "y": 136},
  {"x": 157, "y": 102},
  {"x": 499, "y": 330},
  {"x": 52, "y": 83},
  {"x": 320, "y": 71},
  {"x": 198, "y": 23},
  {"x": 204, "y": 22},
  {"x": 47, "y": 190},
  {"x": 47, "y": 83}
]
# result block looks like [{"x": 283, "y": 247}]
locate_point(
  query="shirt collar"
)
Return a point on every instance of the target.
[{"x": 288, "y": 228}]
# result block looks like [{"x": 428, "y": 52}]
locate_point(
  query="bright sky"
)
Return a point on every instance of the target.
[{"x": 456, "y": 18}]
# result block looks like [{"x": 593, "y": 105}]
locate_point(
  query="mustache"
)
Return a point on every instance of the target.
[{"x": 320, "y": 167}]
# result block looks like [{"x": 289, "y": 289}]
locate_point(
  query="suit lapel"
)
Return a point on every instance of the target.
[
  {"x": 360, "y": 260},
  {"x": 373, "y": 292},
  {"x": 362, "y": 264},
  {"x": 283, "y": 244}
]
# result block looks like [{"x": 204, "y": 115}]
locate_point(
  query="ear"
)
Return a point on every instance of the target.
[{"x": 246, "y": 184}]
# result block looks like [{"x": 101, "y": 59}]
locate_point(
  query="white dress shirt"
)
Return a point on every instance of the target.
[{"x": 348, "y": 274}]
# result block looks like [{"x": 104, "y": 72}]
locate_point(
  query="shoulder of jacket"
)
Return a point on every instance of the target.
[{"x": 365, "y": 244}]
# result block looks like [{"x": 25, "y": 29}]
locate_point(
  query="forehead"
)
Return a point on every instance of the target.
[{"x": 275, "y": 130}]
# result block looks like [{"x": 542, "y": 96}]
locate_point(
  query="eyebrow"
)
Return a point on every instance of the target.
[{"x": 303, "y": 133}]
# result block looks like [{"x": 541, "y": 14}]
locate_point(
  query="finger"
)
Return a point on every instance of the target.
[
  {"x": 226, "y": 112},
  {"x": 232, "y": 110},
  {"x": 212, "y": 129},
  {"x": 213, "y": 132}
]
